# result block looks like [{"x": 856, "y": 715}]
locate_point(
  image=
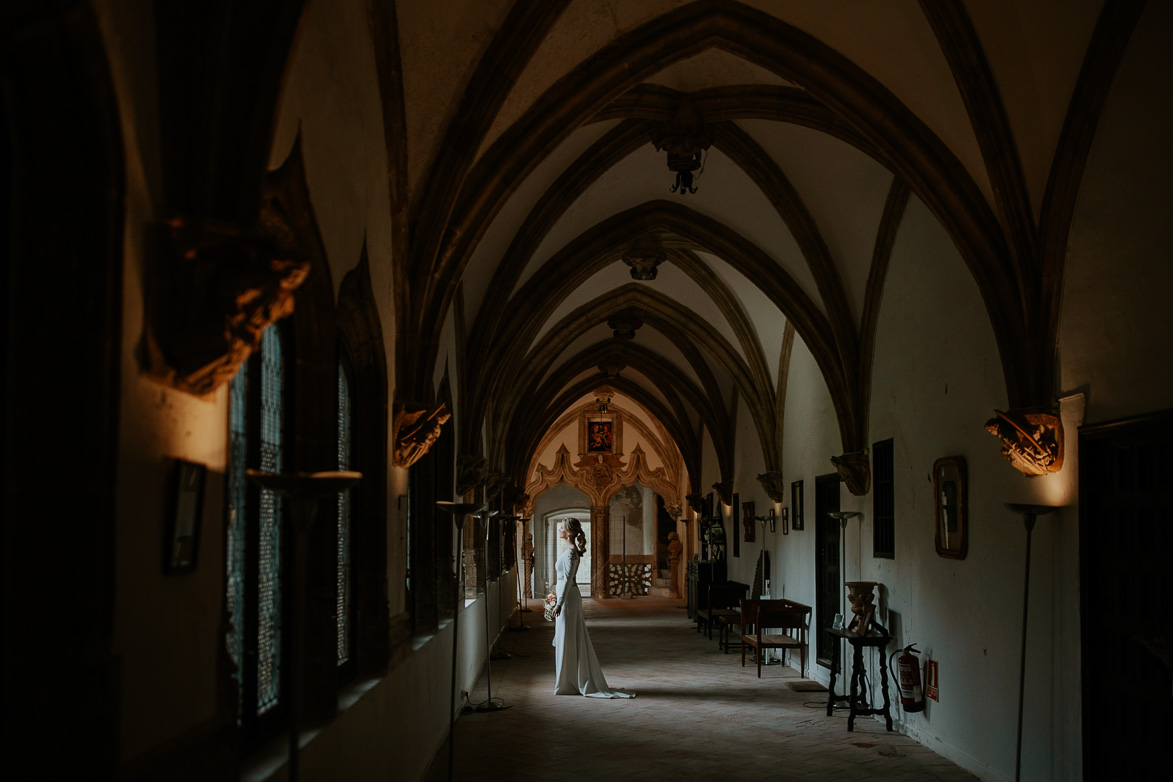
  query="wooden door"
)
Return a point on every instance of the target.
[
  {"x": 828, "y": 580},
  {"x": 1126, "y": 538}
]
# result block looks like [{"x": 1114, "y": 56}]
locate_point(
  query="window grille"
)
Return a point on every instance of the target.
[
  {"x": 269, "y": 585},
  {"x": 344, "y": 504},
  {"x": 254, "y": 530},
  {"x": 883, "y": 501},
  {"x": 237, "y": 460}
]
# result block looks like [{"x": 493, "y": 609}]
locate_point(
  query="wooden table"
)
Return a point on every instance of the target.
[{"x": 877, "y": 640}]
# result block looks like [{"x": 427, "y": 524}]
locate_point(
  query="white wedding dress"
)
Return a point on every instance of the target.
[{"x": 576, "y": 668}]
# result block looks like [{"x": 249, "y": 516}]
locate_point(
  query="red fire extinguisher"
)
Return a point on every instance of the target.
[{"x": 911, "y": 696}]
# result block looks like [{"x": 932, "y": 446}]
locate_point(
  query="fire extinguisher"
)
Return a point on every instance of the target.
[{"x": 911, "y": 695}]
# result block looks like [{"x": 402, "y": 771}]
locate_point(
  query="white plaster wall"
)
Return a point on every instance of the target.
[
  {"x": 1115, "y": 336},
  {"x": 812, "y": 437},
  {"x": 166, "y": 628},
  {"x": 395, "y": 728},
  {"x": 936, "y": 379},
  {"x": 747, "y": 465}
]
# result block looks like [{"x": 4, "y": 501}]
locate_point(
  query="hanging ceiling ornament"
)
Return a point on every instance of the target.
[{"x": 685, "y": 138}]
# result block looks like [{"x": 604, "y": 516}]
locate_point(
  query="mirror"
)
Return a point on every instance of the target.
[{"x": 950, "y": 503}]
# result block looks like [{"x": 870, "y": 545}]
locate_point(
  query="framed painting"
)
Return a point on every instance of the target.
[
  {"x": 182, "y": 541},
  {"x": 599, "y": 433},
  {"x": 796, "y": 505},
  {"x": 751, "y": 522},
  {"x": 949, "y": 502}
]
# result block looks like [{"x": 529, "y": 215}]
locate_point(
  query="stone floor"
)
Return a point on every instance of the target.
[{"x": 698, "y": 714}]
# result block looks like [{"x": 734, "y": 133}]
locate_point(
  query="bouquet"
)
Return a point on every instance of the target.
[{"x": 551, "y": 604}]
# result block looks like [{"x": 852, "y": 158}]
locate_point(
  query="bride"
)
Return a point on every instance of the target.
[{"x": 576, "y": 668}]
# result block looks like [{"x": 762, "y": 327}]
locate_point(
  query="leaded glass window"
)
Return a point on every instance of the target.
[
  {"x": 269, "y": 579},
  {"x": 237, "y": 462},
  {"x": 344, "y": 502},
  {"x": 254, "y": 572}
]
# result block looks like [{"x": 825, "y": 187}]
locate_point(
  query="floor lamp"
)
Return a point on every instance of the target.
[
  {"x": 488, "y": 705},
  {"x": 1030, "y": 514},
  {"x": 842, "y": 516},
  {"x": 304, "y": 490},
  {"x": 458, "y": 510},
  {"x": 520, "y": 565}
]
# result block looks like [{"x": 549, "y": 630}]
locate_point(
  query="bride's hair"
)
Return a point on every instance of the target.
[{"x": 577, "y": 536}]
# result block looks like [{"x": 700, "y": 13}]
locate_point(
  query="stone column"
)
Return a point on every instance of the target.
[{"x": 600, "y": 548}]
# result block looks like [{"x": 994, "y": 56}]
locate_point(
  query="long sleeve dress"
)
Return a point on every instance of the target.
[{"x": 576, "y": 668}]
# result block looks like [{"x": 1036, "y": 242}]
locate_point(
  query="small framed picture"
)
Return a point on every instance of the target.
[
  {"x": 837, "y": 622},
  {"x": 182, "y": 541},
  {"x": 796, "y": 505}
]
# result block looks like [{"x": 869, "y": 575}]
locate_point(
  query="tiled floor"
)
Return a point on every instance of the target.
[{"x": 698, "y": 714}]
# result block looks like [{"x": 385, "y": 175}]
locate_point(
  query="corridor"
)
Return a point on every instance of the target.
[{"x": 698, "y": 714}]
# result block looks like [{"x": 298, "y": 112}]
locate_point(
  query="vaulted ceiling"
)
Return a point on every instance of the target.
[{"x": 524, "y": 132}]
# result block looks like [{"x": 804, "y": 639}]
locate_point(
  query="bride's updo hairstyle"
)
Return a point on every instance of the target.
[{"x": 577, "y": 536}]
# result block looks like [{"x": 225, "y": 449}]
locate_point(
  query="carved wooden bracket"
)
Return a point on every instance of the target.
[
  {"x": 495, "y": 483},
  {"x": 724, "y": 490},
  {"x": 1031, "y": 442},
  {"x": 694, "y": 501},
  {"x": 470, "y": 472},
  {"x": 213, "y": 291},
  {"x": 513, "y": 496},
  {"x": 415, "y": 429},
  {"x": 773, "y": 485},
  {"x": 854, "y": 471}
]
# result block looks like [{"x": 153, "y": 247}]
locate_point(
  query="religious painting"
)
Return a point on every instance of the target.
[
  {"x": 599, "y": 433},
  {"x": 599, "y": 436},
  {"x": 747, "y": 510}
]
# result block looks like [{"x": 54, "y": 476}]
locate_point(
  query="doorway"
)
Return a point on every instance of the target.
[
  {"x": 828, "y": 579},
  {"x": 554, "y": 548},
  {"x": 1125, "y": 538}
]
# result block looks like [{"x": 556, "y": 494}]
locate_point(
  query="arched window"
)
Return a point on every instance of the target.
[
  {"x": 257, "y": 413},
  {"x": 344, "y": 612}
]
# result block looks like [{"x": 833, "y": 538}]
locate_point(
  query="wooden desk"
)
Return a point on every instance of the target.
[{"x": 877, "y": 640}]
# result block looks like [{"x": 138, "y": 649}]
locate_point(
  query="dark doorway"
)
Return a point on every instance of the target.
[
  {"x": 1126, "y": 536},
  {"x": 828, "y": 581}
]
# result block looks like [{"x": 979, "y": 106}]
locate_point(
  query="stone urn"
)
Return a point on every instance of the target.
[{"x": 862, "y": 596}]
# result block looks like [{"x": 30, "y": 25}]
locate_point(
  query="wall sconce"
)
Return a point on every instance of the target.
[{"x": 770, "y": 519}]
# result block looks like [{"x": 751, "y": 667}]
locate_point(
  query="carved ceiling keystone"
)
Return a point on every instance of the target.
[
  {"x": 625, "y": 324},
  {"x": 644, "y": 257}
]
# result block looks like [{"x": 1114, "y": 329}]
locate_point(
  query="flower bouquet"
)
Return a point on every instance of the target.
[{"x": 551, "y": 604}]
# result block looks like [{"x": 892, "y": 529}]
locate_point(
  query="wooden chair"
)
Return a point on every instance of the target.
[
  {"x": 760, "y": 616},
  {"x": 724, "y": 598}
]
